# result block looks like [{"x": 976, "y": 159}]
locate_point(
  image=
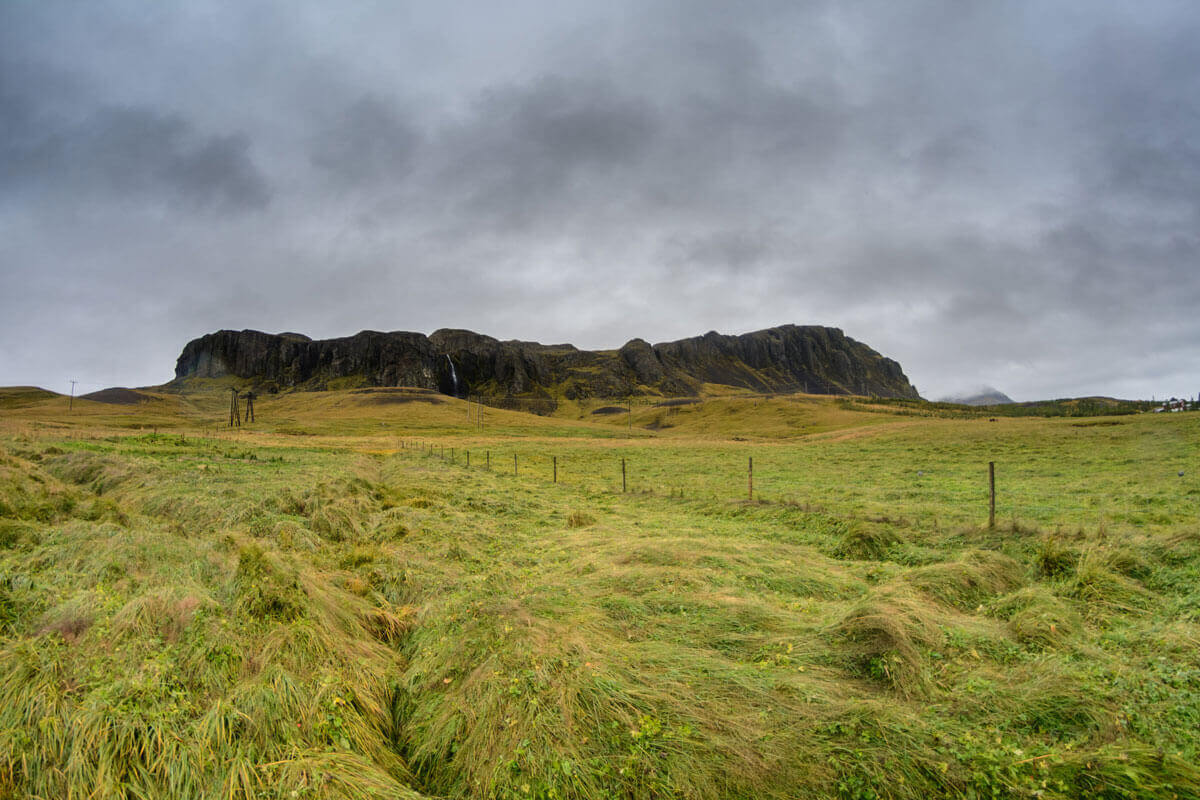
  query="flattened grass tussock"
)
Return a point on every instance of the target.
[
  {"x": 266, "y": 589},
  {"x": 867, "y": 540},
  {"x": 1102, "y": 589},
  {"x": 887, "y": 633},
  {"x": 579, "y": 519},
  {"x": 1055, "y": 557},
  {"x": 97, "y": 473},
  {"x": 1037, "y": 617},
  {"x": 969, "y": 580}
]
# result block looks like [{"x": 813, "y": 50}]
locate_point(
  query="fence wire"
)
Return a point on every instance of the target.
[{"x": 950, "y": 491}]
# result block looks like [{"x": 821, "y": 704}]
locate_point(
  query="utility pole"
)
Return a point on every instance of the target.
[
  {"x": 235, "y": 416},
  {"x": 249, "y": 406},
  {"x": 71, "y": 402}
]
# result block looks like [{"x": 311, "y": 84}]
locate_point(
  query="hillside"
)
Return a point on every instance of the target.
[
  {"x": 12, "y": 397},
  {"x": 788, "y": 358}
]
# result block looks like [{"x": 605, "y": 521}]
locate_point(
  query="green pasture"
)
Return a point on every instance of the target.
[
  {"x": 331, "y": 603},
  {"x": 1114, "y": 471}
]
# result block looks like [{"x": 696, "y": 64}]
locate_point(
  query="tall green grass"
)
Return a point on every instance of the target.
[{"x": 325, "y": 617}]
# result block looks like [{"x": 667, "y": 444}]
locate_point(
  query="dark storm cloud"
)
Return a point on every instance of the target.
[
  {"x": 122, "y": 154},
  {"x": 132, "y": 151},
  {"x": 991, "y": 193},
  {"x": 734, "y": 251},
  {"x": 523, "y": 154},
  {"x": 369, "y": 142}
]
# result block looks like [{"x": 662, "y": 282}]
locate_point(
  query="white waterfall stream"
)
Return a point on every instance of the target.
[{"x": 453, "y": 374}]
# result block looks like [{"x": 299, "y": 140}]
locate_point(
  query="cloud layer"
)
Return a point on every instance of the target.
[{"x": 989, "y": 193}]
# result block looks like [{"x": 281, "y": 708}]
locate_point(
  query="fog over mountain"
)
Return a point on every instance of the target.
[
  {"x": 981, "y": 396},
  {"x": 994, "y": 192}
]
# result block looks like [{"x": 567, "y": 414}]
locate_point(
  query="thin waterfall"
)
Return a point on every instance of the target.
[{"x": 453, "y": 374}]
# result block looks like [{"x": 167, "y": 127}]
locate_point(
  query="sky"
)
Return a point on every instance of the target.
[{"x": 1003, "y": 193}]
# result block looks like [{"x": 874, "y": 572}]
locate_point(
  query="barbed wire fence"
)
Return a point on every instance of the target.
[{"x": 1009, "y": 495}]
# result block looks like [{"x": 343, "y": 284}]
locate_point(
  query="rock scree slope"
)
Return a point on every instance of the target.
[{"x": 787, "y": 358}]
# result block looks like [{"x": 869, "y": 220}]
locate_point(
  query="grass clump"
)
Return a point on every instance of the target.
[
  {"x": 1119, "y": 771},
  {"x": 266, "y": 590},
  {"x": 1102, "y": 589},
  {"x": 335, "y": 522},
  {"x": 29, "y": 494},
  {"x": 867, "y": 541},
  {"x": 391, "y": 525},
  {"x": 1037, "y": 617},
  {"x": 72, "y": 618},
  {"x": 1055, "y": 558},
  {"x": 97, "y": 473},
  {"x": 16, "y": 533},
  {"x": 885, "y": 634},
  {"x": 969, "y": 580},
  {"x": 1054, "y": 700},
  {"x": 163, "y": 613},
  {"x": 579, "y": 519},
  {"x": 9, "y": 606}
]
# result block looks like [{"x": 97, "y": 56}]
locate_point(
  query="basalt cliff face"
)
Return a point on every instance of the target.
[{"x": 789, "y": 358}]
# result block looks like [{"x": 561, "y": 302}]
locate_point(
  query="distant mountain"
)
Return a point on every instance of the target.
[
  {"x": 985, "y": 396},
  {"x": 788, "y": 358}
]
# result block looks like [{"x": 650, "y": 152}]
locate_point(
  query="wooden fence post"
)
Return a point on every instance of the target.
[
  {"x": 514, "y": 465},
  {"x": 623, "y": 485},
  {"x": 468, "y": 458},
  {"x": 750, "y": 475},
  {"x": 991, "y": 494},
  {"x": 555, "y": 468},
  {"x": 487, "y": 456}
]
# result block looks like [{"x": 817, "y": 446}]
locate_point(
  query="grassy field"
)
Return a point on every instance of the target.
[{"x": 331, "y": 603}]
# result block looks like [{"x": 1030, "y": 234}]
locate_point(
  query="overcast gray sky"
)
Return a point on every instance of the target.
[{"x": 1001, "y": 193}]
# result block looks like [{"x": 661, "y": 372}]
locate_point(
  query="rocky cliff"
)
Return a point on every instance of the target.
[{"x": 788, "y": 358}]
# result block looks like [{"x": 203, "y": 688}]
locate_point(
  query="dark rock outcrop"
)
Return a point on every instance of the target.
[
  {"x": 639, "y": 356},
  {"x": 380, "y": 359},
  {"x": 788, "y": 358}
]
